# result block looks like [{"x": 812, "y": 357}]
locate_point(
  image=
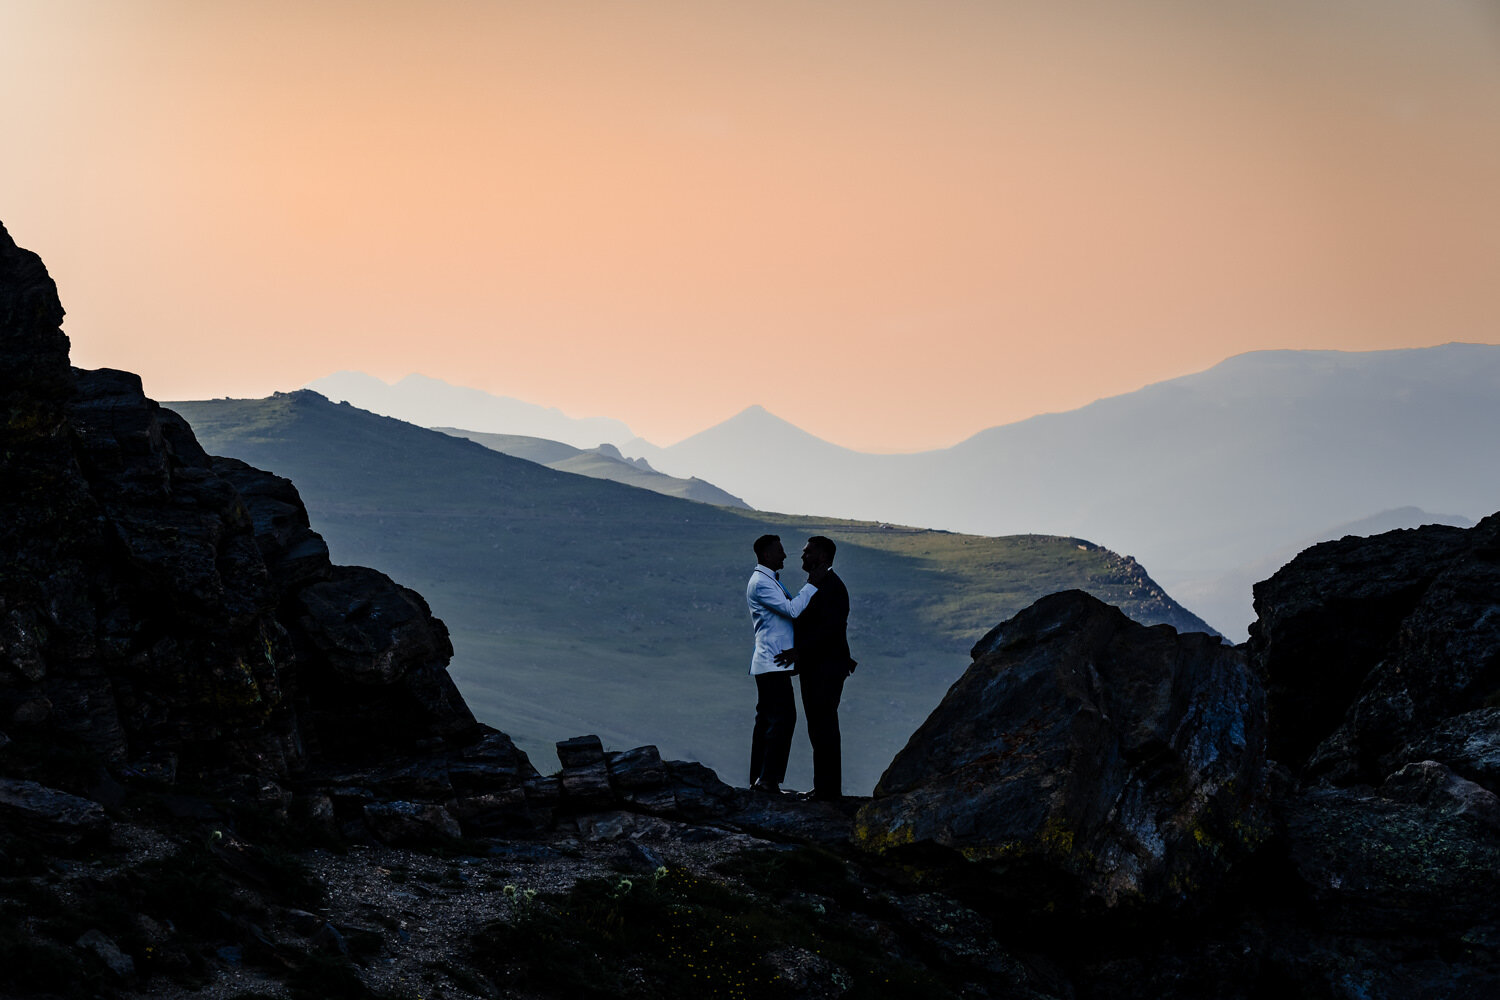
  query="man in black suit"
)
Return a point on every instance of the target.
[{"x": 820, "y": 650}]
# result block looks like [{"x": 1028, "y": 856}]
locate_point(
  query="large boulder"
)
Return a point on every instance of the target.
[
  {"x": 1420, "y": 855},
  {"x": 1112, "y": 762},
  {"x": 1368, "y": 645},
  {"x": 1382, "y": 660}
]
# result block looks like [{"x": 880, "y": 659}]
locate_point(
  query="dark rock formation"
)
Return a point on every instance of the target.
[
  {"x": 1382, "y": 660},
  {"x": 1114, "y": 762},
  {"x": 157, "y": 605},
  {"x": 1082, "y": 761},
  {"x": 1367, "y": 645},
  {"x": 1419, "y": 857},
  {"x": 1468, "y": 743}
]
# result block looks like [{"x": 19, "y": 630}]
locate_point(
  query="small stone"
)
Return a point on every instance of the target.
[
  {"x": 641, "y": 767},
  {"x": 580, "y": 751},
  {"x": 642, "y": 856},
  {"x": 329, "y": 941},
  {"x": 109, "y": 953},
  {"x": 605, "y": 826},
  {"x": 57, "y": 817},
  {"x": 659, "y": 801},
  {"x": 411, "y": 822},
  {"x": 543, "y": 791},
  {"x": 304, "y": 922},
  {"x": 587, "y": 786}
]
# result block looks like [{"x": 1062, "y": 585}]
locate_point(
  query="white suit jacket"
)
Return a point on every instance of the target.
[{"x": 772, "y": 609}]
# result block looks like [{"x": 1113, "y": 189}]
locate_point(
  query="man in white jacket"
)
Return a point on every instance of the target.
[{"x": 772, "y": 608}]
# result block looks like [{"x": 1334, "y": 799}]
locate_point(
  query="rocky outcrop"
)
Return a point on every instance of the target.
[
  {"x": 1102, "y": 782},
  {"x": 1369, "y": 645},
  {"x": 1419, "y": 856},
  {"x": 1112, "y": 762},
  {"x": 1382, "y": 659},
  {"x": 173, "y": 613}
]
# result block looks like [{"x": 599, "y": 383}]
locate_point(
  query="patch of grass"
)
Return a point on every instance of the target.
[
  {"x": 678, "y": 935},
  {"x": 802, "y": 870},
  {"x": 32, "y": 965},
  {"x": 292, "y": 881},
  {"x": 188, "y": 889},
  {"x": 319, "y": 977}
]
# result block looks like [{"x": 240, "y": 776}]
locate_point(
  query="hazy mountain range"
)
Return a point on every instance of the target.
[
  {"x": 580, "y": 605},
  {"x": 602, "y": 462},
  {"x": 1198, "y": 477},
  {"x": 1212, "y": 480},
  {"x": 430, "y": 402}
]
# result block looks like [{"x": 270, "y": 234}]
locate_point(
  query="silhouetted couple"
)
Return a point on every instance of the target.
[{"x": 807, "y": 637}]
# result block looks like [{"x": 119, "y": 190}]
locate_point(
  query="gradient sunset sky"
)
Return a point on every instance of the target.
[{"x": 892, "y": 223}]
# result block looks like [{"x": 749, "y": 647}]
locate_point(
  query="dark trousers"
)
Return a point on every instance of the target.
[
  {"x": 775, "y": 721},
  {"x": 822, "y": 687}
]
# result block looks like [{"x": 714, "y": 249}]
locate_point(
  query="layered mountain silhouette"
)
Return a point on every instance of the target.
[
  {"x": 228, "y": 760},
  {"x": 581, "y": 605},
  {"x": 1196, "y": 477},
  {"x": 603, "y": 462},
  {"x": 431, "y": 402}
]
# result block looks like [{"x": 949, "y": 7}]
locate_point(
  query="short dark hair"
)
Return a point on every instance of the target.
[
  {"x": 763, "y": 543},
  {"x": 824, "y": 545}
]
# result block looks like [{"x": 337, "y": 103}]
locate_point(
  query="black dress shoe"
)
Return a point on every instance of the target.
[
  {"x": 816, "y": 796},
  {"x": 766, "y": 787}
]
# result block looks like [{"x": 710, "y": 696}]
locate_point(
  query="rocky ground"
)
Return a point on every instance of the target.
[
  {"x": 401, "y": 921},
  {"x": 169, "y": 896}
]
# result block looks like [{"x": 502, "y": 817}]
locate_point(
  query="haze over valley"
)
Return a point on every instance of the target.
[
  {"x": 581, "y": 605},
  {"x": 1211, "y": 480}
]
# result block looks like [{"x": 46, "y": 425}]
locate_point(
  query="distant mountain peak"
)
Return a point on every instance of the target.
[
  {"x": 758, "y": 413},
  {"x": 756, "y": 419}
]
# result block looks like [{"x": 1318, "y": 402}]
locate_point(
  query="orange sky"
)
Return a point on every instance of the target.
[{"x": 892, "y": 223}]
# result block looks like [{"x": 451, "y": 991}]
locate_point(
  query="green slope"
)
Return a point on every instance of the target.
[{"x": 580, "y": 605}]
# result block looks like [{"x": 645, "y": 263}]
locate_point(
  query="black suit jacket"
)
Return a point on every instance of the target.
[{"x": 820, "y": 633}]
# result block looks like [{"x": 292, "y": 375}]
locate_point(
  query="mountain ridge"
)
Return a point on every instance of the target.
[
  {"x": 602, "y": 462},
  {"x": 1195, "y": 475},
  {"x": 428, "y": 401},
  {"x": 543, "y": 576}
]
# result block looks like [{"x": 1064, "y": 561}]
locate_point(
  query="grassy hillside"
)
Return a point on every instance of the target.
[{"x": 579, "y": 605}]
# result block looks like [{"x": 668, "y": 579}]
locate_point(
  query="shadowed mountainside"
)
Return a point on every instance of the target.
[
  {"x": 603, "y": 462},
  {"x": 578, "y": 605}
]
